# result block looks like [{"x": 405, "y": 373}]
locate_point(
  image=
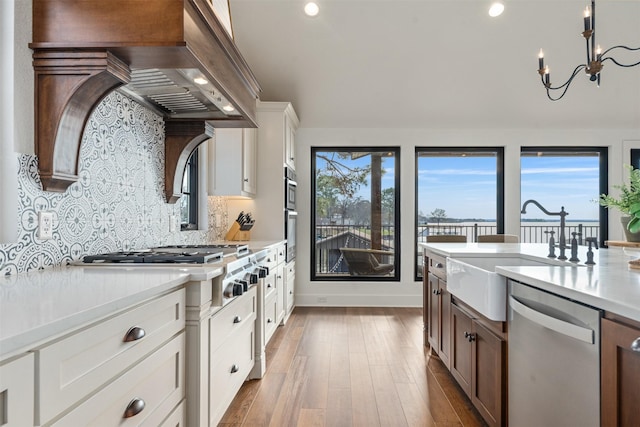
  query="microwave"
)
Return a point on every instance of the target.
[{"x": 290, "y": 187}]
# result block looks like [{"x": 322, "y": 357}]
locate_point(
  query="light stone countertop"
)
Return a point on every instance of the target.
[
  {"x": 609, "y": 285},
  {"x": 38, "y": 306}
]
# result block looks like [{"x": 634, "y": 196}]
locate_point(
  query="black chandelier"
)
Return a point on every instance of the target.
[{"x": 595, "y": 57}]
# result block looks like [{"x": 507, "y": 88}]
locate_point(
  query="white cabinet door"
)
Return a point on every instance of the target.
[
  {"x": 232, "y": 163},
  {"x": 289, "y": 143},
  {"x": 17, "y": 392},
  {"x": 249, "y": 158}
]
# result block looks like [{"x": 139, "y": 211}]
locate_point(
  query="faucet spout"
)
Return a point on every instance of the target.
[{"x": 562, "y": 214}]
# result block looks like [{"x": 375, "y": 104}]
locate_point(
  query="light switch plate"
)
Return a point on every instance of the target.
[
  {"x": 172, "y": 223},
  {"x": 45, "y": 225}
]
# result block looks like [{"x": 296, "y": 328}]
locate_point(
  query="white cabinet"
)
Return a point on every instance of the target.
[
  {"x": 17, "y": 392},
  {"x": 232, "y": 163},
  {"x": 233, "y": 351},
  {"x": 107, "y": 359},
  {"x": 289, "y": 289},
  {"x": 143, "y": 396},
  {"x": 290, "y": 125}
]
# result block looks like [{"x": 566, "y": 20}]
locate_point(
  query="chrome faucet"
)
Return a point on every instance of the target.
[{"x": 562, "y": 214}]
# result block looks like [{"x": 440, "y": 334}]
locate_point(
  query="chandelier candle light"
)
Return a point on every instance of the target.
[{"x": 595, "y": 57}]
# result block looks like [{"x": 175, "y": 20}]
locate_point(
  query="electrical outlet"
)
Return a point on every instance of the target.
[
  {"x": 172, "y": 223},
  {"x": 45, "y": 225}
]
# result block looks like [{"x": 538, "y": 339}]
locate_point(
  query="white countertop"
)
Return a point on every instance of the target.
[
  {"x": 609, "y": 285},
  {"x": 38, "y": 306}
]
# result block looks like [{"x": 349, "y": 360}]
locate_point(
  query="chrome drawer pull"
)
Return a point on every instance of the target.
[
  {"x": 234, "y": 369},
  {"x": 269, "y": 321},
  {"x": 237, "y": 319},
  {"x": 134, "y": 408},
  {"x": 134, "y": 334},
  {"x": 635, "y": 345},
  {"x": 439, "y": 265}
]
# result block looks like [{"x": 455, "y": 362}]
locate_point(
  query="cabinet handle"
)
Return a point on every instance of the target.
[
  {"x": 290, "y": 292},
  {"x": 635, "y": 345},
  {"x": 234, "y": 369},
  {"x": 134, "y": 408},
  {"x": 269, "y": 321},
  {"x": 246, "y": 180},
  {"x": 237, "y": 319},
  {"x": 439, "y": 265},
  {"x": 470, "y": 337},
  {"x": 436, "y": 291},
  {"x": 134, "y": 334},
  {"x": 269, "y": 285}
]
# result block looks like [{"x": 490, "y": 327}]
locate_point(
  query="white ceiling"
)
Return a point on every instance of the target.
[{"x": 438, "y": 63}]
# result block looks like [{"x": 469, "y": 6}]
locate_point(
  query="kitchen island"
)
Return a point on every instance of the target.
[{"x": 473, "y": 346}]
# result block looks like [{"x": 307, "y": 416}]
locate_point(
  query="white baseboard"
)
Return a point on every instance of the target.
[{"x": 325, "y": 300}]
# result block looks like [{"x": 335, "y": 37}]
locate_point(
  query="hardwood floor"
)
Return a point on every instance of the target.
[{"x": 351, "y": 367}]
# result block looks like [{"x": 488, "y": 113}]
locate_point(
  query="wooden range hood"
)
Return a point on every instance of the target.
[{"x": 83, "y": 50}]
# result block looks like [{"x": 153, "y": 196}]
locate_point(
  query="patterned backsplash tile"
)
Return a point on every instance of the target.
[{"x": 117, "y": 203}]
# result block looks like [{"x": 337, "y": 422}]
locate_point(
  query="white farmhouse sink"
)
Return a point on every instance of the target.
[{"x": 474, "y": 281}]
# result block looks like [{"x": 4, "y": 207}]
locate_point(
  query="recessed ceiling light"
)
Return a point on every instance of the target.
[
  {"x": 200, "y": 81},
  {"x": 228, "y": 107},
  {"x": 311, "y": 9},
  {"x": 496, "y": 9}
]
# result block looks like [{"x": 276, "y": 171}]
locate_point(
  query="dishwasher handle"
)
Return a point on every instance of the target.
[{"x": 557, "y": 325}]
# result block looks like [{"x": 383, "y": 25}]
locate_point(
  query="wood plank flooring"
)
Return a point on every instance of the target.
[{"x": 339, "y": 367}]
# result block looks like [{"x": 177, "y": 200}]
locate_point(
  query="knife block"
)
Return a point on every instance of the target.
[{"x": 236, "y": 234}]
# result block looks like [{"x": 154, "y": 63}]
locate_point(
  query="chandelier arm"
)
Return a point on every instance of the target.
[
  {"x": 619, "y": 64},
  {"x": 620, "y": 47},
  {"x": 565, "y": 85}
]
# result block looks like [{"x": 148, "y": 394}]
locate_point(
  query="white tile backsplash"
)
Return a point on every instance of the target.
[{"x": 117, "y": 203}]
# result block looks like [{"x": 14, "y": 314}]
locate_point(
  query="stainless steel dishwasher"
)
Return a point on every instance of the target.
[{"x": 554, "y": 360}]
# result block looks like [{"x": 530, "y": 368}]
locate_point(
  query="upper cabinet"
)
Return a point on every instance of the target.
[
  {"x": 290, "y": 126},
  {"x": 173, "y": 56},
  {"x": 278, "y": 123},
  {"x": 232, "y": 163}
]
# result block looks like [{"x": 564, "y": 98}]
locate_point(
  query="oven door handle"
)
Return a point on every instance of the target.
[
  {"x": 292, "y": 183},
  {"x": 292, "y": 213},
  {"x": 557, "y": 325}
]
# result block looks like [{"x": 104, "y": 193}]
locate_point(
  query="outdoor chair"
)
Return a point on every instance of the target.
[
  {"x": 363, "y": 262},
  {"x": 498, "y": 238}
]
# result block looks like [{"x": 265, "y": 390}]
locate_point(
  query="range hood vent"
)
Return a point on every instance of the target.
[{"x": 175, "y": 94}]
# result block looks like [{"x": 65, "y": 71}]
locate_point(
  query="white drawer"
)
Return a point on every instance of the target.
[
  {"x": 81, "y": 363},
  {"x": 230, "y": 366},
  {"x": 282, "y": 253},
  {"x": 270, "y": 316},
  {"x": 271, "y": 260},
  {"x": 233, "y": 317},
  {"x": 157, "y": 380},
  {"x": 17, "y": 392},
  {"x": 270, "y": 285}
]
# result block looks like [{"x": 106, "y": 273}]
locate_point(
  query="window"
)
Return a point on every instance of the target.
[
  {"x": 189, "y": 199},
  {"x": 572, "y": 178},
  {"x": 458, "y": 191},
  {"x": 356, "y": 228}
]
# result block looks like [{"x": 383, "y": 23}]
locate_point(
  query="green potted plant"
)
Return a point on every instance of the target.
[{"x": 628, "y": 203}]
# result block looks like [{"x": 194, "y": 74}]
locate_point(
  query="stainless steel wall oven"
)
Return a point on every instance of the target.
[{"x": 290, "y": 187}]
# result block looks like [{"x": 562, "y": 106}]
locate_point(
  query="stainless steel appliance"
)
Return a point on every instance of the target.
[
  {"x": 290, "y": 188},
  {"x": 290, "y": 220},
  {"x": 177, "y": 254},
  {"x": 554, "y": 360}
]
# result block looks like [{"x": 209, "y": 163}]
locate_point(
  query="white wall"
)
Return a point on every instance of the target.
[
  {"x": 16, "y": 106},
  {"x": 408, "y": 292}
]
